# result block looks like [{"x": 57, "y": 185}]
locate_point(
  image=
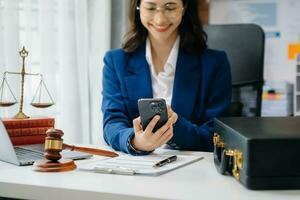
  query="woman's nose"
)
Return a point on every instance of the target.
[{"x": 160, "y": 18}]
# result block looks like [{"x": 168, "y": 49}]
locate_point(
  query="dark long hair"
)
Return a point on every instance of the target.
[{"x": 192, "y": 37}]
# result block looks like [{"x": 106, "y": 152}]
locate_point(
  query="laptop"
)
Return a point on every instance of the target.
[{"x": 26, "y": 154}]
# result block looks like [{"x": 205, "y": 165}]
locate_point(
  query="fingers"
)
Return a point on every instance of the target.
[
  {"x": 169, "y": 110},
  {"x": 172, "y": 115},
  {"x": 163, "y": 129},
  {"x": 152, "y": 124},
  {"x": 165, "y": 137},
  {"x": 137, "y": 124},
  {"x": 149, "y": 140},
  {"x": 173, "y": 118}
]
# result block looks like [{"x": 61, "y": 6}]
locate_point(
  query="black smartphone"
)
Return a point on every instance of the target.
[{"x": 148, "y": 108}]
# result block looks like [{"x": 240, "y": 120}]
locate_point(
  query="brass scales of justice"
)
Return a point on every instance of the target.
[
  {"x": 36, "y": 101},
  {"x": 53, "y": 142}
]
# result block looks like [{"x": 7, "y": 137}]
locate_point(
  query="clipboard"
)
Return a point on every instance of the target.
[{"x": 138, "y": 165}]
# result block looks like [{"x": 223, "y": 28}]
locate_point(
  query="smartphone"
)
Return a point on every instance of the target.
[{"x": 148, "y": 108}]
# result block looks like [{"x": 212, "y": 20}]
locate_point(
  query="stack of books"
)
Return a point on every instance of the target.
[
  {"x": 277, "y": 99},
  {"x": 28, "y": 131}
]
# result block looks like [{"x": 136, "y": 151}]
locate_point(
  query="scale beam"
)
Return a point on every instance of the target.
[{"x": 38, "y": 104}]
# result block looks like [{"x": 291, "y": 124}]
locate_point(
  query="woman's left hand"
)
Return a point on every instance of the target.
[
  {"x": 172, "y": 115},
  {"x": 146, "y": 140}
]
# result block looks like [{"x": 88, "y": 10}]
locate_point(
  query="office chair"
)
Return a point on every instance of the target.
[{"x": 244, "y": 46}]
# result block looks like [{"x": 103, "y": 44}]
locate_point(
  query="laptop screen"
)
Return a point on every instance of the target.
[{"x": 7, "y": 152}]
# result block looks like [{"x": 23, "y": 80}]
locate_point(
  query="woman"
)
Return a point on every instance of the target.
[{"x": 164, "y": 55}]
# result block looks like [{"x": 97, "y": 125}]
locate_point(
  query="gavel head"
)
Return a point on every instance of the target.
[{"x": 53, "y": 144}]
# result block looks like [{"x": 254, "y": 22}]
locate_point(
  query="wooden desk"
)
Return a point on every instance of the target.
[{"x": 199, "y": 180}]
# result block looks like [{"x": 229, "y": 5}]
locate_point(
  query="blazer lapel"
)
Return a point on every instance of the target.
[
  {"x": 138, "y": 79},
  {"x": 186, "y": 84}
]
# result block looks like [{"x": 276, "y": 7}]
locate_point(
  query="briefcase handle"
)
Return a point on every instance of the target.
[
  {"x": 227, "y": 161},
  {"x": 221, "y": 160}
]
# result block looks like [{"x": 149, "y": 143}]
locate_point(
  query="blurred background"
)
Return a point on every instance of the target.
[{"x": 67, "y": 40}]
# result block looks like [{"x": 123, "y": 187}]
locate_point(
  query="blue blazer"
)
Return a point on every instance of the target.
[{"x": 201, "y": 92}]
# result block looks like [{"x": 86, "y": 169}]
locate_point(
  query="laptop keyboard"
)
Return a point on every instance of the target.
[{"x": 27, "y": 154}]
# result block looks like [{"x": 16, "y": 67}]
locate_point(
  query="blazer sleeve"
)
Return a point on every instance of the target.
[
  {"x": 190, "y": 136},
  {"x": 117, "y": 126}
]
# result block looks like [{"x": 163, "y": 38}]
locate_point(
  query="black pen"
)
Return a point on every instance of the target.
[{"x": 165, "y": 161}]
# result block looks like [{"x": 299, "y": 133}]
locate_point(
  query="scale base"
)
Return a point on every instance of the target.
[
  {"x": 21, "y": 115},
  {"x": 61, "y": 165}
]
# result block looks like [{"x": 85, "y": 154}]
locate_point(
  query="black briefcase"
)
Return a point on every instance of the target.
[{"x": 260, "y": 152}]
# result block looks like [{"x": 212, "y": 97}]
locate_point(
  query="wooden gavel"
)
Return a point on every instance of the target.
[{"x": 54, "y": 145}]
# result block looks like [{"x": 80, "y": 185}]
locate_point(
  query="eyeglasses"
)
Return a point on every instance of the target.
[{"x": 170, "y": 11}]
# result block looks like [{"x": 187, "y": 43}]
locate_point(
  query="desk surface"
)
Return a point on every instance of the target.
[{"x": 199, "y": 180}]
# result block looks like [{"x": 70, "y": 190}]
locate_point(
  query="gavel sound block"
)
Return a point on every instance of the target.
[{"x": 54, "y": 145}]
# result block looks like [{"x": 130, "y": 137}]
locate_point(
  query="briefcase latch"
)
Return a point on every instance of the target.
[
  {"x": 237, "y": 161},
  {"x": 222, "y": 158},
  {"x": 218, "y": 141}
]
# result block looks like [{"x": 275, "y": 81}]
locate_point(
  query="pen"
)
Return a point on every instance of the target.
[{"x": 165, "y": 161}]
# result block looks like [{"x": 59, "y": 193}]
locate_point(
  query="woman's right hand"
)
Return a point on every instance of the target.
[{"x": 147, "y": 140}]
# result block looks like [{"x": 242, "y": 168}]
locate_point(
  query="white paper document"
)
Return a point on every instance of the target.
[{"x": 130, "y": 165}]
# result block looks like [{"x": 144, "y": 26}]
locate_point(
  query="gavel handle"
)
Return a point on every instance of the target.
[{"x": 93, "y": 151}]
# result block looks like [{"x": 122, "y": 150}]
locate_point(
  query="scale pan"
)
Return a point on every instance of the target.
[
  {"x": 42, "y": 105},
  {"x": 7, "y": 104}
]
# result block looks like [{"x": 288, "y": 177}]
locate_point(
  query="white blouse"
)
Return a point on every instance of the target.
[{"x": 162, "y": 83}]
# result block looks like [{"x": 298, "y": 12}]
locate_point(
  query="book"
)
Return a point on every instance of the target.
[
  {"x": 11, "y": 123},
  {"x": 27, "y": 131},
  {"x": 30, "y": 139},
  {"x": 139, "y": 165}
]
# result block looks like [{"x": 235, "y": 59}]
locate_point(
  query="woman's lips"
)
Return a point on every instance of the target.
[{"x": 161, "y": 29}]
